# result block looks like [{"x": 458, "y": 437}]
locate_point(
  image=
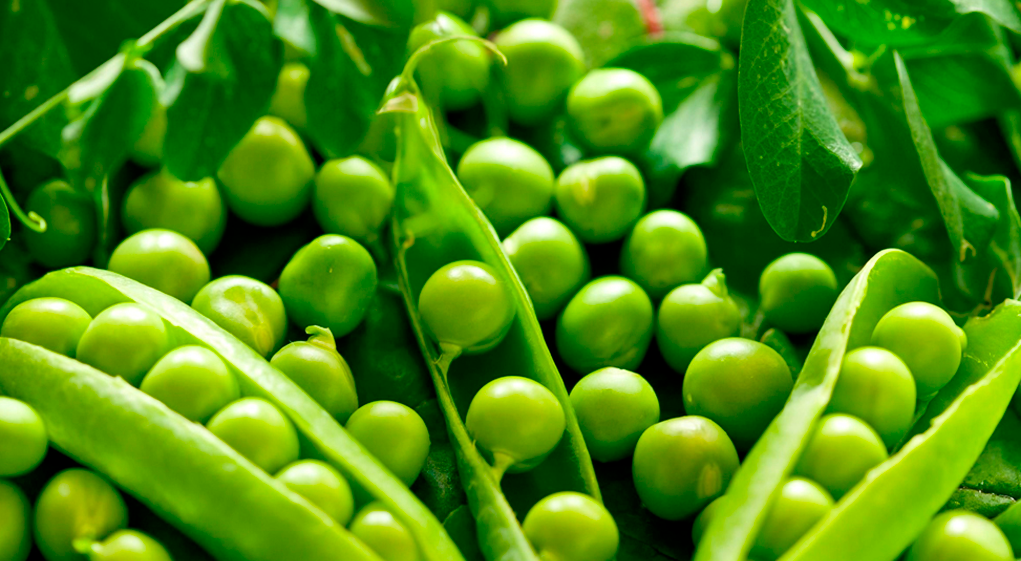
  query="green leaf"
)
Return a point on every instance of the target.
[
  {"x": 800, "y": 162},
  {"x": 1005, "y": 248},
  {"x": 389, "y": 13},
  {"x": 604, "y": 28}
]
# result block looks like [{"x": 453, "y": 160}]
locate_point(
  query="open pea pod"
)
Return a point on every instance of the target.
[
  {"x": 95, "y": 290},
  {"x": 435, "y": 223}
]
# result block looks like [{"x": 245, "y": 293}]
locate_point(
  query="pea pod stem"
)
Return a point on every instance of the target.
[{"x": 501, "y": 463}]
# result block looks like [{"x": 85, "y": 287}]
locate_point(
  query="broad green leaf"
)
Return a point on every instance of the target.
[
  {"x": 604, "y": 28},
  {"x": 293, "y": 24},
  {"x": 1005, "y": 247},
  {"x": 800, "y": 162},
  {"x": 388, "y": 13}
]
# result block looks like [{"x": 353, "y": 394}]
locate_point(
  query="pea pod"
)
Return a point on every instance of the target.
[{"x": 95, "y": 290}]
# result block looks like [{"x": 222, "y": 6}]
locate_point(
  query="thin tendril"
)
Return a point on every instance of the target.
[{"x": 32, "y": 220}]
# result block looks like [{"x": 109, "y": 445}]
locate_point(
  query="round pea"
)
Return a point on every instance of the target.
[
  {"x": 70, "y": 217},
  {"x": 877, "y": 387},
  {"x": 607, "y": 323},
  {"x": 505, "y": 12},
  {"x": 125, "y": 340},
  {"x": 801, "y": 504},
  {"x": 614, "y": 110},
  {"x": 330, "y": 282},
  {"x": 705, "y": 518},
  {"x": 796, "y": 292},
  {"x": 465, "y": 306},
  {"x": 693, "y": 316},
  {"x": 52, "y": 323},
  {"x": 600, "y": 199},
  {"x": 570, "y": 526},
  {"x": 288, "y": 102},
  {"x": 508, "y": 180},
  {"x": 395, "y": 434},
  {"x": 258, "y": 431},
  {"x": 681, "y": 465},
  {"x": 268, "y": 175},
  {"x": 148, "y": 149},
  {"x": 323, "y": 486},
  {"x": 164, "y": 260},
  {"x": 15, "y": 532},
  {"x": 353, "y": 198},
  {"x": 517, "y": 420},
  {"x": 455, "y": 73},
  {"x": 247, "y": 309},
  {"x": 317, "y": 367},
  {"x": 128, "y": 545},
  {"x": 740, "y": 384},
  {"x": 841, "y": 451},
  {"x": 378, "y": 528},
  {"x": 543, "y": 61},
  {"x": 532, "y": 248},
  {"x": 961, "y": 536},
  {"x": 192, "y": 381},
  {"x": 928, "y": 341},
  {"x": 191, "y": 208},
  {"x": 614, "y": 407},
  {"x": 665, "y": 249},
  {"x": 23, "y": 440},
  {"x": 76, "y": 504}
]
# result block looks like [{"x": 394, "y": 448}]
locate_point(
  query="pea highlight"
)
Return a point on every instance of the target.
[
  {"x": 124, "y": 340},
  {"x": 664, "y": 250},
  {"x": 52, "y": 323},
  {"x": 877, "y": 387},
  {"x": 164, "y": 260},
  {"x": 692, "y": 316},
  {"x": 247, "y": 309},
  {"x": 128, "y": 545},
  {"x": 532, "y": 247},
  {"x": 570, "y": 526},
  {"x": 323, "y": 486},
  {"x": 466, "y": 307},
  {"x": 193, "y": 209},
  {"x": 23, "y": 440},
  {"x": 378, "y": 528},
  {"x": 16, "y": 532},
  {"x": 600, "y": 199},
  {"x": 614, "y": 407},
  {"x": 609, "y": 322},
  {"x": 70, "y": 217},
  {"x": 317, "y": 367},
  {"x": 614, "y": 110},
  {"x": 76, "y": 505},
  {"x": 353, "y": 198},
  {"x": 960, "y": 535},
  {"x": 925, "y": 337},
  {"x": 840, "y": 452},
  {"x": 257, "y": 430},
  {"x": 797, "y": 291},
  {"x": 395, "y": 434},
  {"x": 192, "y": 381},
  {"x": 454, "y": 73}
]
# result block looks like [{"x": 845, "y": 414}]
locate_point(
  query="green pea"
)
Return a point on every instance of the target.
[
  {"x": 796, "y": 292},
  {"x": 877, "y": 387},
  {"x": 455, "y": 73},
  {"x": 125, "y": 340},
  {"x": 570, "y": 526},
  {"x": 681, "y": 465},
  {"x": 128, "y": 545},
  {"x": 52, "y": 323},
  {"x": 532, "y": 248},
  {"x": 318, "y": 368},
  {"x": 466, "y": 307},
  {"x": 378, "y": 528},
  {"x": 268, "y": 175},
  {"x": 841, "y": 451},
  {"x": 614, "y": 110},
  {"x": 164, "y": 260},
  {"x": 664, "y": 250},
  {"x": 148, "y": 149},
  {"x": 15, "y": 532},
  {"x": 508, "y": 180},
  {"x": 705, "y": 518},
  {"x": 516, "y": 420},
  {"x": 77, "y": 505},
  {"x": 614, "y": 407},
  {"x": 247, "y": 309},
  {"x": 23, "y": 440},
  {"x": 192, "y": 381},
  {"x": 928, "y": 341},
  {"x": 70, "y": 217},
  {"x": 191, "y": 208},
  {"x": 395, "y": 434},
  {"x": 607, "y": 323},
  {"x": 600, "y": 199},
  {"x": 543, "y": 61},
  {"x": 505, "y": 12},
  {"x": 961, "y": 536},
  {"x": 288, "y": 102},
  {"x": 801, "y": 504},
  {"x": 257, "y": 430},
  {"x": 330, "y": 282},
  {"x": 353, "y": 198},
  {"x": 693, "y": 316},
  {"x": 323, "y": 486}
]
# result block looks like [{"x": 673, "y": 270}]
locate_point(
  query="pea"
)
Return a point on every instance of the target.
[
  {"x": 600, "y": 199},
  {"x": 193, "y": 209},
  {"x": 15, "y": 532},
  {"x": 466, "y": 307},
  {"x": 76, "y": 505},
  {"x": 704, "y": 518},
  {"x": 288, "y": 102},
  {"x": 961, "y": 536},
  {"x": 23, "y": 440},
  {"x": 323, "y": 486},
  {"x": 70, "y": 217},
  {"x": 454, "y": 73},
  {"x": 841, "y": 451},
  {"x": 664, "y": 250},
  {"x": 247, "y": 309},
  {"x": 148, "y": 149},
  {"x": 505, "y": 12},
  {"x": 394, "y": 434},
  {"x": 318, "y": 368},
  {"x": 257, "y": 430},
  {"x": 517, "y": 420},
  {"x": 353, "y": 198},
  {"x": 740, "y": 384},
  {"x": 128, "y": 545},
  {"x": 125, "y": 340},
  {"x": 570, "y": 526},
  {"x": 877, "y": 387},
  {"x": 192, "y": 381},
  {"x": 268, "y": 175},
  {"x": 796, "y": 292},
  {"x": 508, "y": 180},
  {"x": 330, "y": 283},
  {"x": 607, "y": 323},
  {"x": 164, "y": 260},
  {"x": 926, "y": 339},
  {"x": 532, "y": 248},
  {"x": 693, "y": 316},
  {"x": 543, "y": 61},
  {"x": 52, "y": 323},
  {"x": 614, "y": 407},
  {"x": 614, "y": 110},
  {"x": 801, "y": 504},
  {"x": 378, "y": 528},
  {"x": 681, "y": 465}
]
